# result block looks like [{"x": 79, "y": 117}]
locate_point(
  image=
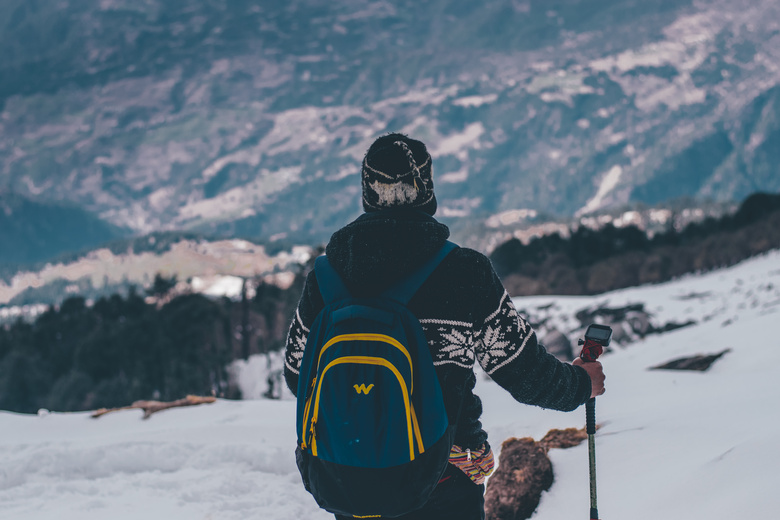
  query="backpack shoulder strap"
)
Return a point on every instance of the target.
[
  {"x": 331, "y": 285},
  {"x": 403, "y": 291}
]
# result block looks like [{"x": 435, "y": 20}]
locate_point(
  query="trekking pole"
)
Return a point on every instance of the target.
[{"x": 596, "y": 338}]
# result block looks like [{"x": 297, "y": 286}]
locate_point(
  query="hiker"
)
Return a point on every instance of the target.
[{"x": 465, "y": 312}]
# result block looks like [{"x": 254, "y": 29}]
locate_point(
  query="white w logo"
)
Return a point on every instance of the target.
[{"x": 362, "y": 388}]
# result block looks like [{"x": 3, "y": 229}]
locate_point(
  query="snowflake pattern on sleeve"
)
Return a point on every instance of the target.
[
  {"x": 502, "y": 338},
  {"x": 452, "y": 342},
  {"x": 296, "y": 342}
]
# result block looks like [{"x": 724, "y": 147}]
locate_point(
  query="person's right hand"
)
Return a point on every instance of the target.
[{"x": 596, "y": 373}]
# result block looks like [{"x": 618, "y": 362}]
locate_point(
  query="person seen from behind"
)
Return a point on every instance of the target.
[{"x": 465, "y": 312}]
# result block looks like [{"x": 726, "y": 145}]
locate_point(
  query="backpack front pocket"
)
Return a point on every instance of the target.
[{"x": 369, "y": 410}]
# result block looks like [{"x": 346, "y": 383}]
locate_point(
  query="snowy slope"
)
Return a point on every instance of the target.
[
  {"x": 231, "y": 460},
  {"x": 676, "y": 444},
  {"x": 672, "y": 444}
]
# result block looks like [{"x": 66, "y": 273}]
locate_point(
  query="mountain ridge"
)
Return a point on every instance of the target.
[
  {"x": 32, "y": 232},
  {"x": 233, "y": 118}
]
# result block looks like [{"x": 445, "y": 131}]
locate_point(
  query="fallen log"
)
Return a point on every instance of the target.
[
  {"x": 150, "y": 407},
  {"x": 524, "y": 472}
]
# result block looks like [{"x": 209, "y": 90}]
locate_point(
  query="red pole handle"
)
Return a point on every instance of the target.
[{"x": 591, "y": 350}]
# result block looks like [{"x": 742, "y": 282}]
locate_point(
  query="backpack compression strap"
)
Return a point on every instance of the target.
[{"x": 332, "y": 287}]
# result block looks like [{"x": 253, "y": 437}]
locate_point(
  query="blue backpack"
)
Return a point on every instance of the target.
[{"x": 373, "y": 433}]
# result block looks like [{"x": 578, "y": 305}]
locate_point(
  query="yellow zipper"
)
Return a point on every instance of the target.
[
  {"x": 306, "y": 413},
  {"x": 370, "y": 337},
  {"x": 417, "y": 433},
  {"x": 366, "y": 360}
]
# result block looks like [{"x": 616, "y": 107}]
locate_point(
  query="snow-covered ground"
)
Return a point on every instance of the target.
[{"x": 673, "y": 445}]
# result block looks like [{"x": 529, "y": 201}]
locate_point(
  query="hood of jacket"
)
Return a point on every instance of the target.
[{"x": 380, "y": 248}]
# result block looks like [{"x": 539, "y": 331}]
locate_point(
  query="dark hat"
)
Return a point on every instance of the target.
[{"x": 398, "y": 172}]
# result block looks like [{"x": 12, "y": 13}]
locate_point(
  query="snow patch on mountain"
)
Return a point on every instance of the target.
[
  {"x": 184, "y": 259},
  {"x": 459, "y": 143},
  {"x": 608, "y": 183},
  {"x": 475, "y": 101},
  {"x": 236, "y": 201}
]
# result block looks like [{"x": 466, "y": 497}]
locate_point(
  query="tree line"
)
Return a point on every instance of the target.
[
  {"x": 593, "y": 261},
  {"x": 124, "y": 348}
]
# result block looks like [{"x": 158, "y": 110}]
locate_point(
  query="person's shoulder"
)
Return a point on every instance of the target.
[
  {"x": 470, "y": 255},
  {"x": 468, "y": 267},
  {"x": 473, "y": 261},
  {"x": 463, "y": 288}
]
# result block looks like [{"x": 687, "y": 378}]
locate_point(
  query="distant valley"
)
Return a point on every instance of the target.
[{"x": 238, "y": 119}]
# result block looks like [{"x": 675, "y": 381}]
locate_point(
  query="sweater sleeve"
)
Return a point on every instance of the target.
[
  {"x": 507, "y": 349},
  {"x": 309, "y": 306}
]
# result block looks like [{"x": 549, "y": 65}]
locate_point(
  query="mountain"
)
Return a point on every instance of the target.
[
  {"x": 250, "y": 119},
  {"x": 32, "y": 232},
  {"x": 697, "y": 445}
]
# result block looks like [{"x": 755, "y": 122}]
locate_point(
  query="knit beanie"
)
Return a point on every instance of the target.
[{"x": 398, "y": 173}]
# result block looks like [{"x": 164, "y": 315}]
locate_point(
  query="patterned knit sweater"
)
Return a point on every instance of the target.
[{"x": 465, "y": 312}]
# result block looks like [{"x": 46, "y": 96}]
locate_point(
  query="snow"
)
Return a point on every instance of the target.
[
  {"x": 461, "y": 175},
  {"x": 513, "y": 216},
  {"x": 686, "y": 45},
  {"x": 216, "y": 286},
  {"x": 186, "y": 259},
  {"x": 475, "y": 101},
  {"x": 234, "y": 201},
  {"x": 608, "y": 183},
  {"x": 560, "y": 86},
  {"x": 688, "y": 42},
  {"x": 671, "y": 444},
  {"x": 454, "y": 144},
  {"x": 227, "y": 461},
  {"x": 9, "y": 314}
]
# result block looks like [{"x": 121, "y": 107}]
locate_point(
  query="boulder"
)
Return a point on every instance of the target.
[
  {"x": 700, "y": 362},
  {"x": 558, "y": 345}
]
